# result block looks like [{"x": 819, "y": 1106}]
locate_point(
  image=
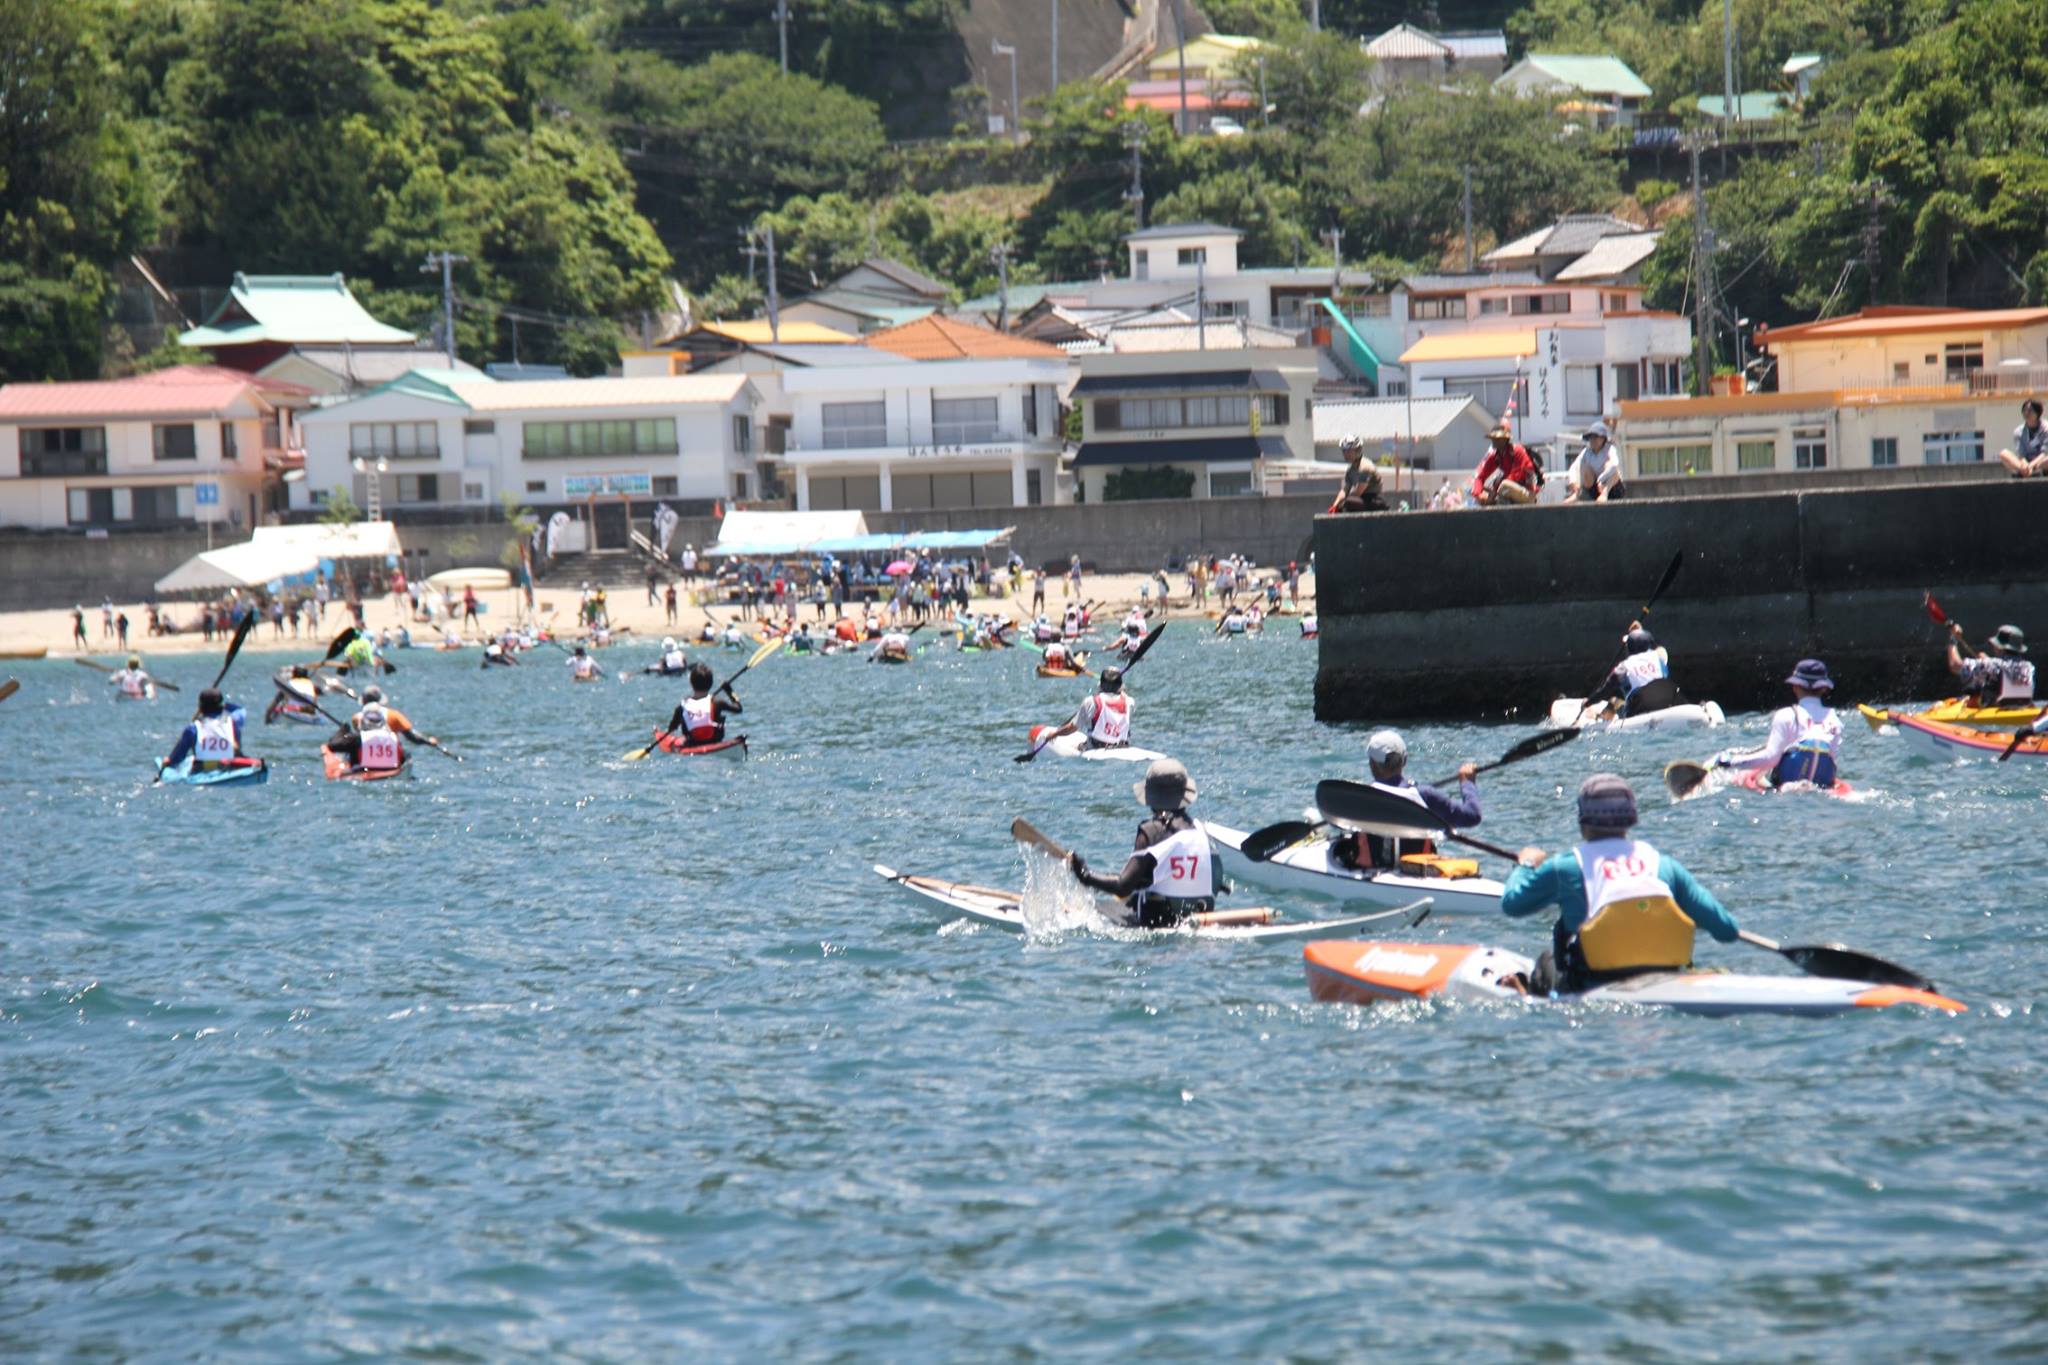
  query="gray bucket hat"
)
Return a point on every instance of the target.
[
  {"x": 1606, "y": 801},
  {"x": 1166, "y": 786}
]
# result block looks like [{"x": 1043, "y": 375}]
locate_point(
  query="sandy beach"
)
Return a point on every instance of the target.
[{"x": 23, "y": 632}]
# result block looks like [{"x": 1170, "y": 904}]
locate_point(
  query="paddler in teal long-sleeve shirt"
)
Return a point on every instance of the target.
[{"x": 1623, "y": 907}]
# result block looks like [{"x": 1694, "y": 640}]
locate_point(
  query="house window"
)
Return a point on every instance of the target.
[
  {"x": 536, "y": 485},
  {"x": 1233, "y": 483},
  {"x": 1953, "y": 447},
  {"x": 1143, "y": 271},
  {"x": 479, "y": 426},
  {"x": 227, "y": 441},
  {"x": 1902, "y": 371},
  {"x": 1194, "y": 255},
  {"x": 1582, "y": 389},
  {"x": 1628, "y": 383},
  {"x": 742, "y": 434},
  {"x": 1675, "y": 459},
  {"x": 1809, "y": 447},
  {"x": 150, "y": 506},
  {"x": 1225, "y": 309},
  {"x": 1960, "y": 360},
  {"x": 1109, "y": 414},
  {"x": 89, "y": 506},
  {"x": 1272, "y": 410},
  {"x": 580, "y": 440},
  {"x": 50, "y": 451},
  {"x": 1617, "y": 303},
  {"x": 1492, "y": 307},
  {"x": 1034, "y": 488},
  {"x": 1542, "y": 303},
  {"x": 1884, "y": 451},
  {"x": 854, "y": 426},
  {"x": 419, "y": 488},
  {"x": 472, "y": 492},
  {"x": 1666, "y": 377},
  {"x": 664, "y": 485},
  {"x": 1427, "y": 310},
  {"x": 963, "y": 421},
  {"x": 1755, "y": 452},
  {"x": 175, "y": 441},
  {"x": 1394, "y": 388},
  {"x": 1371, "y": 306},
  {"x": 1031, "y": 410},
  {"x": 739, "y": 486},
  {"x": 395, "y": 440},
  {"x": 1492, "y": 394}
]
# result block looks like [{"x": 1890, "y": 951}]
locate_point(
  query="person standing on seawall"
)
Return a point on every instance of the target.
[{"x": 2028, "y": 457}]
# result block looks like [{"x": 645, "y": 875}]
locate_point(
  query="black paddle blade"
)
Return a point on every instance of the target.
[
  {"x": 241, "y": 634},
  {"x": 1540, "y": 743},
  {"x": 1262, "y": 844},
  {"x": 1683, "y": 777},
  {"x": 340, "y": 642},
  {"x": 1670, "y": 573},
  {"x": 1846, "y": 964},
  {"x": 1151, "y": 639},
  {"x": 1355, "y": 805}
]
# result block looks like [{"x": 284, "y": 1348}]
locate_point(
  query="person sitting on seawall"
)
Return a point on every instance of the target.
[
  {"x": 1507, "y": 474},
  {"x": 582, "y": 667},
  {"x": 701, "y": 716},
  {"x": 370, "y": 740},
  {"x": 671, "y": 664},
  {"x": 1623, "y": 908},
  {"x": 1360, "y": 491},
  {"x": 1595, "y": 474},
  {"x": 135, "y": 684},
  {"x": 1104, "y": 718},
  {"x": 1170, "y": 874},
  {"x": 2003, "y": 677},
  {"x": 1386, "y": 754},
  {"x": 1805, "y": 739},
  {"x": 213, "y": 739},
  {"x": 2028, "y": 457},
  {"x": 1641, "y": 682}
]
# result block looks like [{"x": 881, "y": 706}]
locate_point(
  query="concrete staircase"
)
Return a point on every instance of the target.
[{"x": 611, "y": 569}]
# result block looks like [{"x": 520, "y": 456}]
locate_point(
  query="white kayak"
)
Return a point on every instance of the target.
[
  {"x": 1348, "y": 971},
  {"x": 1565, "y": 714},
  {"x": 1309, "y": 869},
  {"x": 1005, "y": 909},
  {"x": 1075, "y": 746}
]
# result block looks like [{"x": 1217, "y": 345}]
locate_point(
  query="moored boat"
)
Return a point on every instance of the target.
[
  {"x": 1309, "y": 869},
  {"x": 1349, "y": 971}
]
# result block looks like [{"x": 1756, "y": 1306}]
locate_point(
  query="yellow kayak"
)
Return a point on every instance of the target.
[{"x": 1957, "y": 711}]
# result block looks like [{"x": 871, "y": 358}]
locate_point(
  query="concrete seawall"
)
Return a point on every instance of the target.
[{"x": 1495, "y": 613}]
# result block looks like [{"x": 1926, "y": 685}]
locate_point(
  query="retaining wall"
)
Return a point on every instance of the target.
[{"x": 1497, "y": 612}]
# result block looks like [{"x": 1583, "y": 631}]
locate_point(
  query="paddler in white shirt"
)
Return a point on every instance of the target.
[
  {"x": 213, "y": 738},
  {"x": 1640, "y": 683},
  {"x": 1309, "y": 626},
  {"x": 1134, "y": 629},
  {"x": 1233, "y": 623},
  {"x": 1057, "y": 655},
  {"x": 135, "y": 684},
  {"x": 496, "y": 653},
  {"x": 1170, "y": 874},
  {"x": 296, "y": 694},
  {"x": 2003, "y": 677},
  {"x": 582, "y": 667},
  {"x": 671, "y": 664},
  {"x": 1071, "y": 623},
  {"x": 700, "y": 717},
  {"x": 369, "y": 741},
  {"x": 1104, "y": 718},
  {"x": 895, "y": 644},
  {"x": 1805, "y": 741},
  {"x": 1042, "y": 630}
]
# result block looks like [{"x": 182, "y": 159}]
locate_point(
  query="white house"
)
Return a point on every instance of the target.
[
  {"x": 939, "y": 413},
  {"x": 436, "y": 438},
  {"x": 1427, "y": 433},
  {"x": 1603, "y": 89},
  {"x": 193, "y": 443}
]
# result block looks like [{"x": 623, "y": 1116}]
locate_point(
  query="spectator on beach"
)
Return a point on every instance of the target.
[
  {"x": 277, "y": 618},
  {"x": 107, "y": 619},
  {"x": 689, "y": 563},
  {"x": 2028, "y": 456},
  {"x": 469, "y": 607},
  {"x": 1595, "y": 475},
  {"x": 669, "y": 600},
  {"x": 321, "y": 596},
  {"x": 121, "y": 629},
  {"x": 1038, "y": 590},
  {"x": 78, "y": 636},
  {"x": 1073, "y": 575}
]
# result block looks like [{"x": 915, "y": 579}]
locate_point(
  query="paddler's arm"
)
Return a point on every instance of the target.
[
  {"x": 1698, "y": 902},
  {"x": 727, "y": 704},
  {"x": 1784, "y": 731},
  {"x": 1457, "y": 812},
  {"x": 187, "y": 737},
  {"x": 1538, "y": 883},
  {"x": 1137, "y": 874}
]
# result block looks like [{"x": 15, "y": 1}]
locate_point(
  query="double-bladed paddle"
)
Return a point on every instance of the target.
[
  {"x": 2018, "y": 735},
  {"x": 9, "y": 688},
  {"x": 1150, "y": 639},
  {"x": 1262, "y": 844},
  {"x": 1841, "y": 963},
  {"x": 1684, "y": 776},
  {"x": 109, "y": 668},
  {"x": 235, "y": 647},
  {"x": 1670, "y": 573},
  {"x": 635, "y": 755}
]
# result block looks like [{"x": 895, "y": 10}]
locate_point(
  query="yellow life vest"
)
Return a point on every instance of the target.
[{"x": 1635, "y": 922}]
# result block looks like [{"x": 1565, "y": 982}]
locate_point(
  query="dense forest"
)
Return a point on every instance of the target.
[{"x": 591, "y": 158}]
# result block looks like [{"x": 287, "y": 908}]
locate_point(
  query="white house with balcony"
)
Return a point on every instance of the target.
[
  {"x": 439, "y": 438},
  {"x": 940, "y": 414},
  {"x": 179, "y": 446}
]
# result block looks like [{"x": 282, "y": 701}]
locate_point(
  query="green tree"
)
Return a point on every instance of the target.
[
  {"x": 1267, "y": 210},
  {"x": 1315, "y": 84},
  {"x": 1279, "y": 19}
]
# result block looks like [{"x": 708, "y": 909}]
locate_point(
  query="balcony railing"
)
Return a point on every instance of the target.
[{"x": 944, "y": 436}]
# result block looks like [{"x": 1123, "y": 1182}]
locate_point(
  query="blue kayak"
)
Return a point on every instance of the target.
[{"x": 249, "y": 774}]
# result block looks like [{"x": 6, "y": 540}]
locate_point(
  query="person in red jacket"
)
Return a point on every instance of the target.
[{"x": 1507, "y": 475}]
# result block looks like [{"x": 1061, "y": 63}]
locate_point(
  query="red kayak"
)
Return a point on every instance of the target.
[
  {"x": 338, "y": 769},
  {"x": 678, "y": 744}
]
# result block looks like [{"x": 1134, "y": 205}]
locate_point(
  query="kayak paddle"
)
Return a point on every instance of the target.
[
  {"x": 1361, "y": 808},
  {"x": 234, "y": 648},
  {"x": 9, "y": 688},
  {"x": 1834, "y": 960},
  {"x": 1130, "y": 663},
  {"x": 109, "y": 668},
  {"x": 1262, "y": 844},
  {"x": 1684, "y": 776},
  {"x": 635, "y": 755},
  {"x": 2017, "y": 736},
  {"x": 1940, "y": 617},
  {"x": 1024, "y": 832},
  {"x": 1670, "y": 573}
]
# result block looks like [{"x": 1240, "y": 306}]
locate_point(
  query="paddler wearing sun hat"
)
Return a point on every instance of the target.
[
  {"x": 1623, "y": 907},
  {"x": 1806, "y": 737},
  {"x": 1169, "y": 875},
  {"x": 2004, "y": 677}
]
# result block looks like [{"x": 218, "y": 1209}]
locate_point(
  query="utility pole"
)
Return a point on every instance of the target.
[
  {"x": 1702, "y": 280},
  {"x": 1202, "y": 302},
  {"x": 1315, "y": 15},
  {"x": 782, "y": 31},
  {"x": 752, "y": 251},
  {"x": 1335, "y": 238},
  {"x": 1180, "y": 32},
  {"x": 445, "y": 262},
  {"x": 1134, "y": 138},
  {"x": 1729, "y": 110},
  {"x": 1873, "y": 233},
  {"x": 1000, "y": 254},
  {"x": 1001, "y": 49},
  {"x": 1265, "y": 115},
  {"x": 1467, "y": 172},
  {"x": 1055, "y": 44},
  {"x": 774, "y": 290}
]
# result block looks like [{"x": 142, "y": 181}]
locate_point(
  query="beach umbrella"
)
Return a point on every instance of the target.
[{"x": 901, "y": 566}]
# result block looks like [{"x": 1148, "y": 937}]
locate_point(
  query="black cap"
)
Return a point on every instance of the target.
[
  {"x": 210, "y": 702},
  {"x": 1112, "y": 680}
]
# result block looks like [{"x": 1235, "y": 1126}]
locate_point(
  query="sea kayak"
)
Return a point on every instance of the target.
[
  {"x": 1075, "y": 746},
  {"x": 1045, "y": 671},
  {"x": 1005, "y": 909},
  {"x": 1362, "y": 973},
  {"x": 736, "y": 745},
  {"x": 1945, "y": 743},
  {"x": 250, "y": 773},
  {"x": 1309, "y": 869},
  {"x": 148, "y": 693},
  {"x": 337, "y": 769},
  {"x": 1565, "y": 714},
  {"x": 1956, "y": 711}
]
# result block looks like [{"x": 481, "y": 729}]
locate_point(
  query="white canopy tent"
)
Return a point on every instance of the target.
[
  {"x": 782, "y": 533},
  {"x": 280, "y": 554}
]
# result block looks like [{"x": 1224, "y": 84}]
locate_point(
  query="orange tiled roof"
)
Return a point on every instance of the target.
[
  {"x": 1902, "y": 320},
  {"x": 180, "y": 391},
  {"x": 944, "y": 338}
]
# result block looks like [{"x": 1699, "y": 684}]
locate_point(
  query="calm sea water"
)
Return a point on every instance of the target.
[{"x": 553, "y": 1056}]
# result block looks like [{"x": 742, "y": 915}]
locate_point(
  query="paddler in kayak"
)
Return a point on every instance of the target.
[
  {"x": 1640, "y": 683},
  {"x": 214, "y": 736},
  {"x": 671, "y": 664},
  {"x": 582, "y": 667},
  {"x": 360, "y": 655},
  {"x": 1310, "y": 627},
  {"x": 1170, "y": 874},
  {"x": 1234, "y": 622},
  {"x": 1071, "y": 622},
  {"x": 394, "y": 719},
  {"x": 1623, "y": 907},
  {"x": 1135, "y": 625},
  {"x": 369, "y": 741},
  {"x": 894, "y": 646},
  {"x": 296, "y": 694},
  {"x": 803, "y": 642},
  {"x": 2003, "y": 677},
  {"x": 700, "y": 717},
  {"x": 496, "y": 653},
  {"x": 1386, "y": 755},
  {"x": 135, "y": 684},
  {"x": 1805, "y": 739},
  {"x": 707, "y": 634},
  {"x": 1043, "y": 631},
  {"x": 1104, "y": 718}
]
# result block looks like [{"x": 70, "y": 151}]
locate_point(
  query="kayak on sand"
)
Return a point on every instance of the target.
[
  {"x": 1955, "y": 711},
  {"x": 1363, "y": 973},
  {"x": 1075, "y": 745},
  {"x": 1004, "y": 909},
  {"x": 251, "y": 772},
  {"x": 337, "y": 769},
  {"x": 680, "y": 744},
  {"x": 1945, "y": 743},
  {"x": 1566, "y": 714},
  {"x": 1309, "y": 869}
]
